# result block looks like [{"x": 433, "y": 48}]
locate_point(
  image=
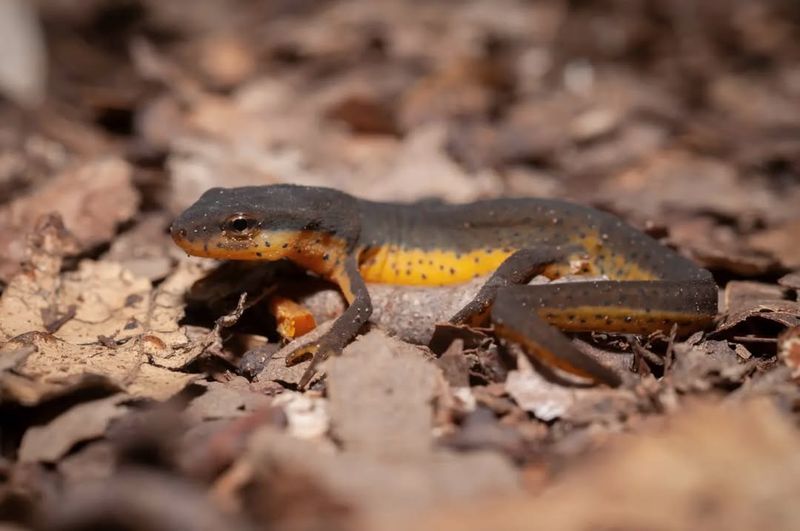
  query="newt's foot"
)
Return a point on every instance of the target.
[
  {"x": 301, "y": 354},
  {"x": 475, "y": 313},
  {"x": 320, "y": 351}
]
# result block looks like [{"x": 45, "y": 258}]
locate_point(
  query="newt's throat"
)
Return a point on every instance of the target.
[{"x": 318, "y": 252}]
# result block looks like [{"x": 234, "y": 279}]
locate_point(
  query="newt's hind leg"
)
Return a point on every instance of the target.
[
  {"x": 524, "y": 314},
  {"x": 518, "y": 268},
  {"x": 546, "y": 344}
]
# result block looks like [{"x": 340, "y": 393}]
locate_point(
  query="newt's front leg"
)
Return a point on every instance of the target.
[{"x": 346, "y": 326}]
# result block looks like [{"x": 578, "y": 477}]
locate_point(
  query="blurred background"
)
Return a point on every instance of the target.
[{"x": 670, "y": 112}]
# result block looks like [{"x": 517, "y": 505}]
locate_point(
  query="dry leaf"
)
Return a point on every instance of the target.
[
  {"x": 228, "y": 400},
  {"x": 80, "y": 423},
  {"x": 549, "y": 401},
  {"x": 706, "y": 470},
  {"x": 398, "y": 418},
  {"x": 383, "y": 490}
]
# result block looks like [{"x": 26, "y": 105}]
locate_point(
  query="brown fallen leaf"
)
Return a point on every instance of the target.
[
  {"x": 461, "y": 88},
  {"x": 228, "y": 400},
  {"x": 705, "y": 470},
  {"x": 276, "y": 466},
  {"x": 780, "y": 242},
  {"x": 792, "y": 280},
  {"x": 717, "y": 246},
  {"x": 659, "y": 186},
  {"x": 422, "y": 154},
  {"x": 700, "y": 367},
  {"x": 57, "y": 367},
  {"x": 111, "y": 325},
  {"x": 481, "y": 430},
  {"x": 751, "y": 302},
  {"x": 454, "y": 365},
  {"x": 92, "y": 198},
  {"x": 740, "y": 295},
  {"x": 549, "y": 401},
  {"x": 754, "y": 101},
  {"x": 397, "y": 420},
  {"x": 136, "y": 499},
  {"x": 95, "y": 461},
  {"x": 106, "y": 300},
  {"x": 146, "y": 250},
  {"x": 80, "y": 423}
]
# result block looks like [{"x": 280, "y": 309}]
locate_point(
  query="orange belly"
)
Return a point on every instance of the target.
[{"x": 427, "y": 267}]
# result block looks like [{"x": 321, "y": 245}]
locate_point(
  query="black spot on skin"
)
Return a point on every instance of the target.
[
  {"x": 258, "y": 254},
  {"x": 285, "y": 245},
  {"x": 441, "y": 267},
  {"x": 325, "y": 256},
  {"x": 477, "y": 259},
  {"x": 452, "y": 271},
  {"x": 266, "y": 243},
  {"x": 424, "y": 276}
]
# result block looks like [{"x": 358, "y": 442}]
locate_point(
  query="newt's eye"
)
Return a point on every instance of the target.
[{"x": 239, "y": 225}]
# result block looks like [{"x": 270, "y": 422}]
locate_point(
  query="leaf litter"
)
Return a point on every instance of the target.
[{"x": 142, "y": 388}]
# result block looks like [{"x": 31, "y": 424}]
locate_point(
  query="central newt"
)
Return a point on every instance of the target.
[{"x": 350, "y": 241}]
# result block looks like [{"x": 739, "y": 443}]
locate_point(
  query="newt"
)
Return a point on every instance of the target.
[{"x": 352, "y": 241}]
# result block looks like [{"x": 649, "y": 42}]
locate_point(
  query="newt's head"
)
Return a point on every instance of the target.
[{"x": 266, "y": 222}]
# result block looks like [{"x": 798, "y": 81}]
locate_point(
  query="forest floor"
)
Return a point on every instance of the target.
[{"x": 138, "y": 390}]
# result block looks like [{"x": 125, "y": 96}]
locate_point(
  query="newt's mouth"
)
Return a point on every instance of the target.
[
  {"x": 262, "y": 245},
  {"x": 221, "y": 249}
]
